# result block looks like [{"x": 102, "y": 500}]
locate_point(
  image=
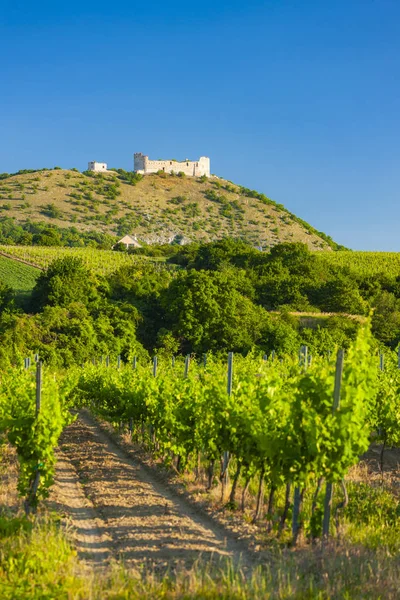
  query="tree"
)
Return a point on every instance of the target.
[
  {"x": 206, "y": 312},
  {"x": 120, "y": 247},
  {"x": 386, "y": 319},
  {"x": 342, "y": 295},
  {"x": 66, "y": 280},
  {"x": 6, "y": 297},
  {"x": 220, "y": 254}
]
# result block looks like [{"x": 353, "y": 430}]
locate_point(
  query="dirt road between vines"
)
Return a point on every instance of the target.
[{"x": 118, "y": 509}]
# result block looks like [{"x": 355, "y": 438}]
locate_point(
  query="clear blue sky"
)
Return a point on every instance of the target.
[{"x": 298, "y": 99}]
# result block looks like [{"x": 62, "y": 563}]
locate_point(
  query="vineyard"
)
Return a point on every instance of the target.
[
  {"x": 363, "y": 264},
  {"x": 290, "y": 424},
  {"x": 271, "y": 439},
  {"x": 102, "y": 262},
  {"x": 18, "y": 276}
]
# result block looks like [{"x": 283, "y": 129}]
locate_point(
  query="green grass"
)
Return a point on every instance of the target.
[
  {"x": 38, "y": 562},
  {"x": 21, "y": 278}
]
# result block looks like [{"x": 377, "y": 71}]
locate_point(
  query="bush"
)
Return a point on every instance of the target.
[{"x": 52, "y": 211}]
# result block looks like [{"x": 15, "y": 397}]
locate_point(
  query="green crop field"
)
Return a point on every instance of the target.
[
  {"x": 363, "y": 263},
  {"x": 102, "y": 262},
  {"x": 21, "y": 278}
]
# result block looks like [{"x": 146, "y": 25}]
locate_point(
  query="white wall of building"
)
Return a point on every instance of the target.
[
  {"x": 97, "y": 166},
  {"x": 143, "y": 165}
]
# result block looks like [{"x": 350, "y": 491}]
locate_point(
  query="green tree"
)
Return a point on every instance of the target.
[
  {"x": 66, "y": 280},
  {"x": 386, "y": 319},
  {"x": 206, "y": 312}
]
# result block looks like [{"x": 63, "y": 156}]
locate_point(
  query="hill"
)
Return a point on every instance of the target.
[{"x": 156, "y": 208}]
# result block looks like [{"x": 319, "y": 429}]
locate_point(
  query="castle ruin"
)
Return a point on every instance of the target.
[{"x": 144, "y": 166}]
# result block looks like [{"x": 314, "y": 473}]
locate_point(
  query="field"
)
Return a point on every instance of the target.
[
  {"x": 102, "y": 262},
  {"x": 20, "y": 277},
  {"x": 363, "y": 263},
  {"x": 106, "y": 261}
]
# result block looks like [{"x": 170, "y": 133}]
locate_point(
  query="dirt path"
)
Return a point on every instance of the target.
[
  {"x": 119, "y": 509},
  {"x": 68, "y": 498}
]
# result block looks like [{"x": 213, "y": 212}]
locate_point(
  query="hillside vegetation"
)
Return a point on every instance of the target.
[{"x": 156, "y": 208}]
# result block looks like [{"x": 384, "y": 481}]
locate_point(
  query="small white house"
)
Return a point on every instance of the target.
[
  {"x": 97, "y": 166},
  {"x": 130, "y": 242}
]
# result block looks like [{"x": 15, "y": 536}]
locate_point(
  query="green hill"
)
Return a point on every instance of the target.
[{"x": 156, "y": 208}]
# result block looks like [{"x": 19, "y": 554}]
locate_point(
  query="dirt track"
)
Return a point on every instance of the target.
[{"x": 118, "y": 509}]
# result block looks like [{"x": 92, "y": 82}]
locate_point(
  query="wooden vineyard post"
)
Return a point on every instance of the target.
[
  {"x": 38, "y": 387},
  {"x": 151, "y": 430},
  {"x": 173, "y": 361},
  {"x": 336, "y": 402},
  {"x": 107, "y": 361},
  {"x": 187, "y": 363},
  {"x": 380, "y": 430},
  {"x": 155, "y": 363},
  {"x": 118, "y": 361},
  {"x": 296, "y": 513},
  {"x": 205, "y": 361},
  {"x": 303, "y": 356},
  {"x": 230, "y": 373},
  {"x": 31, "y": 497},
  {"x": 303, "y": 362},
  {"x": 226, "y": 457}
]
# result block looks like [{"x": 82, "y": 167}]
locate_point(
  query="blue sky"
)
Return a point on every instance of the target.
[{"x": 298, "y": 99}]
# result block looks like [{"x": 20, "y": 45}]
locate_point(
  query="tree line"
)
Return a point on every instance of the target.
[{"x": 218, "y": 297}]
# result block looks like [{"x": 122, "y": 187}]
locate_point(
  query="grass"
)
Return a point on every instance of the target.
[
  {"x": 38, "y": 562},
  {"x": 20, "y": 277}
]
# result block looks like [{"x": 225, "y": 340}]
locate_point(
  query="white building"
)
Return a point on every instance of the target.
[
  {"x": 130, "y": 242},
  {"x": 144, "y": 166},
  {"x": 97, "y": 166}
]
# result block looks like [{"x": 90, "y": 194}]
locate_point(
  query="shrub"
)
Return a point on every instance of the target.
[{"x": 51, "y": 210}]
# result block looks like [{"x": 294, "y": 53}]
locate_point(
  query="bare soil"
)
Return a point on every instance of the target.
[
  {"x": 118, "y": 509},
  {"x": 9, "y": 500}
]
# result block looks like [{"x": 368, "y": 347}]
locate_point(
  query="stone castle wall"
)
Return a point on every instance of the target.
[{"x": 143, "y": 165}]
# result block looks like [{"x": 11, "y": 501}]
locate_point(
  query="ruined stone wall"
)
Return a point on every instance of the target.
[{"x": 142, "y": 164}]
